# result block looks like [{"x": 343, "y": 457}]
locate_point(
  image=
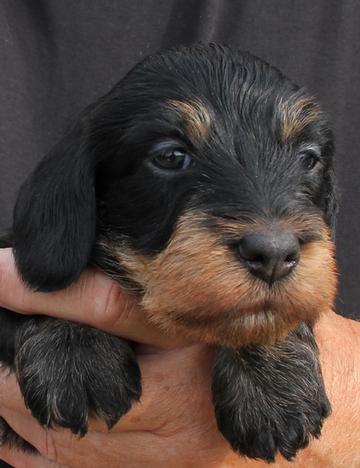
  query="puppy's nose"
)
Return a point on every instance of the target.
[{"x": 270, "y": 256}]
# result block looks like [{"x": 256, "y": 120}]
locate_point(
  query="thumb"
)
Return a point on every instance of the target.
[{"x": 94, "y": 299}]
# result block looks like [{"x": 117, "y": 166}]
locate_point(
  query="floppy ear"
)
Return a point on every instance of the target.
[{"x": 54, "y": 217}]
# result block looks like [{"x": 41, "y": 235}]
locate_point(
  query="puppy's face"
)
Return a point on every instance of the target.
[{"x": 213, "y": 194}]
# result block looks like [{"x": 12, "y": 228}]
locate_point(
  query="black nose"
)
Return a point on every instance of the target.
[{"x": 270, "y": 256}]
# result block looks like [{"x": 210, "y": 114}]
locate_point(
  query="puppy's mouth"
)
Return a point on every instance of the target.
[{"x": 198, "y": 287}]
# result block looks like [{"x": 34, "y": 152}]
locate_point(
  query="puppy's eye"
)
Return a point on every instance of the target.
[
  {"x": 172, "y": 159},
  {"x": 309, "y": 159}
]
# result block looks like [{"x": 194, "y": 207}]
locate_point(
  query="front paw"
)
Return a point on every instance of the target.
[
  {"x": 65, "y": 369},
  {"x": 270, "y": 399}
]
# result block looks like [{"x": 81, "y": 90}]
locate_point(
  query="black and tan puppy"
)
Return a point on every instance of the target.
[{"x": 202, "y": 182}]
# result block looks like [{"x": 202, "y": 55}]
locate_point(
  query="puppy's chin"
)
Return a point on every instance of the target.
[
  {"x": 261, "y": 324},
  {"x": 198, "y": 287},
  {"x": 251, "y": 313}
]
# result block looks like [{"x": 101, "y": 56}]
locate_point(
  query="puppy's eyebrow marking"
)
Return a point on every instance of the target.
[
  {"x": 296, "y": 115},
  {"x": 196, "y": 116}
]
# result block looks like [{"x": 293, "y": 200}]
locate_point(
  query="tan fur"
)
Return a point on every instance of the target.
[
  {"x": 297, "y": 115},
  {"x": 196, "y": 117},
  {"x": 199, "y": 287}
]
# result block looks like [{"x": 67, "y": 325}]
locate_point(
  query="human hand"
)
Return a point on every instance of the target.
[
  {"x": 174, "y": 424},
  {"x": 175, "y": 407}
]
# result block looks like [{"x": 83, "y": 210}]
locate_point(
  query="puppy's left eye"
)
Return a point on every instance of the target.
[
  {"x": 309, "y": 159},
  {"x": 171, "y": 158}
]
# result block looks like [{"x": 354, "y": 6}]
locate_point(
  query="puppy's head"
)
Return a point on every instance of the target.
[{"x": 204, "y": 182}]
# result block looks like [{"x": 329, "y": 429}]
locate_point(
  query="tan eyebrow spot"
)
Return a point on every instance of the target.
[
  {"x": 297, "y": 115},
  {"x": 196, "y": 117}
]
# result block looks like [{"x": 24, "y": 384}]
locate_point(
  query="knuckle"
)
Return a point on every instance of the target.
[
  {"x": 108, "y": 306},
  {"x": 49, "y": 448},
  {"x": 57, "y": 447}
]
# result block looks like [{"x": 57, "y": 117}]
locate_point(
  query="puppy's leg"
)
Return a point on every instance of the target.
[
  {"x": 64, "y": 369},
  {"x": 270, "y": 398}
]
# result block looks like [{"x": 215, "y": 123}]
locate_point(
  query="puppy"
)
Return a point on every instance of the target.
[{"x": 202, "y": 182}]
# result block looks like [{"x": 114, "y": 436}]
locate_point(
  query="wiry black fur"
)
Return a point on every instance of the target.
[
  {"x": 68, "y": 391},
  {"x": 95, "y": 182},
  {"x": 254, "y": 392}
]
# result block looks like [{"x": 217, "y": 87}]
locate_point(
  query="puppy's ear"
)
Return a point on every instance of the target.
[{"x": 54, "y": 217}]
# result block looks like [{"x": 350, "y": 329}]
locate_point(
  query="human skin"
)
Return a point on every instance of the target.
[{"x": 173, "y": 425}]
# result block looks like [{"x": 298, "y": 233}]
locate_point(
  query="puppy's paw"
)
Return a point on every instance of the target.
[
  {"x": 270, "y": 399},
  {"x": 65, "y": 370}
]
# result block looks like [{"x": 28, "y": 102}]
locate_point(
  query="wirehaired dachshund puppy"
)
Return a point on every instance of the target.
[{"x": 202, "y": 182}]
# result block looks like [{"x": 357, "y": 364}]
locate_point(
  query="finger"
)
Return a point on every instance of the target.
[
  {"x": 17, "y": 451},
  {"x": 55, "y": 447},
  {"x": 19, "y": 459},
  {"x": 94, "y": 299},
  {"x": 42, "y": 440},
  {"x": 62, "y": 449}
]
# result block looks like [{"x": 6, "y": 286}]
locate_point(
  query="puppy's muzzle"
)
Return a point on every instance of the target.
[{"x": 269, "y": 256}]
